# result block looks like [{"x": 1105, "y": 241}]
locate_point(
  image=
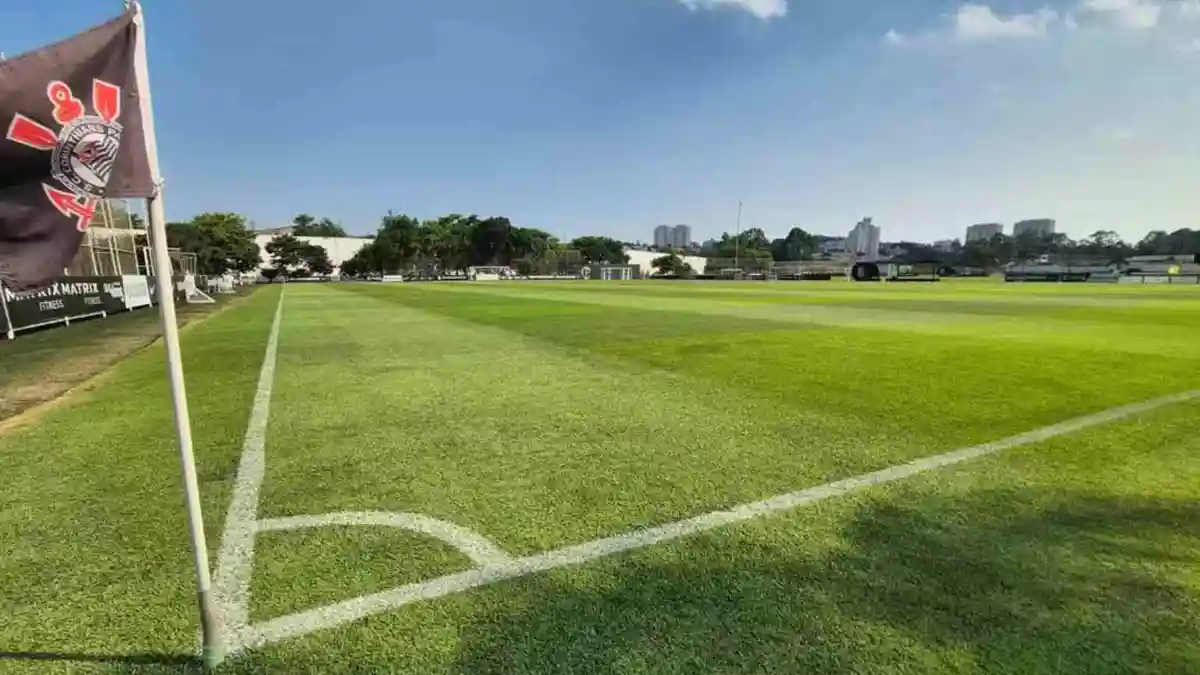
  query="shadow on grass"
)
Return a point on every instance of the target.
[
  {"x": 992, "y": 582},
  {"x": 172, "y": 663}
]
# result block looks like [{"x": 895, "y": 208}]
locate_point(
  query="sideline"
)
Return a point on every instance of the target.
[
  {"x": 37, "y": 412},
  {"x": 235, "y": 561}
]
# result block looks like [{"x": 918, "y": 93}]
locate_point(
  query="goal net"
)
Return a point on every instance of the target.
[
  {"x": 194, "y": 295},
  {"x": 616, "y": 273},
  {"x": 489, "y": 273}
]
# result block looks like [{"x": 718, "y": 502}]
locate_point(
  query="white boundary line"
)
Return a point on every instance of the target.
[
  {"x": 236, "y": 558},
  {"x": 482, "y": 551},
  {"x": 493, "y": 565}
]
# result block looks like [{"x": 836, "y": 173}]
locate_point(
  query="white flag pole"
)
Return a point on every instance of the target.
[{"x": 213, "y": 649}]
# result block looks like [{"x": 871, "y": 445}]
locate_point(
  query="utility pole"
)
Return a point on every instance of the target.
[{"x": 737, "y": 237}]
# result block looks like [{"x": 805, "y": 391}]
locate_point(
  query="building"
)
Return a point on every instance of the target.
[
  {"x": 1038, "y": 227},
  {"x": 663, "y": 235},
  {"x": 340, "y": 249},
  {"x": 863, "y": 240},
  {"x": 673, "y": 236},
  {"x": 984, "y": 231},
  {"x": 945, "y": 245},
  {"x": 832, "y": 245},
  {"x": 645, "y": 261},
  {"x": 683, "y": 236}
]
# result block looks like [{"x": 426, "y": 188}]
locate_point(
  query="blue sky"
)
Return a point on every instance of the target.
[{"x": 612, "y": 116}]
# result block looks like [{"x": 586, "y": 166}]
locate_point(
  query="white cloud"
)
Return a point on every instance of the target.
[
  {"x": 1135, "y": 14},
  {"x": 763, "y": 9},
  {"x": 978, "y": 22},
  {"x": 1192, "y": 47}
]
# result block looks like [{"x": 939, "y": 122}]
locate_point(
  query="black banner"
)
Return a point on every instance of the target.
[{"x": 66, "y": 298}]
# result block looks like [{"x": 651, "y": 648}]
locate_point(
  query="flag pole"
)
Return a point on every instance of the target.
[{"x": 213, "y": 651}]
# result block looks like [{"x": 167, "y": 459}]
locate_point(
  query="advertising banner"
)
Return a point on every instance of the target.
[
  {"x": 5, "y": 324},
  {"x": 137, "y": 291},
  {"x": 64, "y": 299}
]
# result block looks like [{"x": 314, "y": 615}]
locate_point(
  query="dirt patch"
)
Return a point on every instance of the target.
[
  {"x": 69, "y": 369},
  {"x": 41, "y": 370}
]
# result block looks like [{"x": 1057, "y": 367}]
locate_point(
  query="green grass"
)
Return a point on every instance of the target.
[
  {"x": 548, "y": 414},
  {"x": 38, "y": 366}
]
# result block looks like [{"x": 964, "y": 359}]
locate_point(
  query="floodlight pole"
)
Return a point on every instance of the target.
[
  {"x": 213, "y": 651},
  {"x": 737, "y": 237}
]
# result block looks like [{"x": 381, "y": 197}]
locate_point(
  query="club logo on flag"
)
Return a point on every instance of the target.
[{"x": 83, "y": 151}]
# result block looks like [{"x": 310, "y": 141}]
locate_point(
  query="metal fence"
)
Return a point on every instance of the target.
[{"x": 112, "y": 244}]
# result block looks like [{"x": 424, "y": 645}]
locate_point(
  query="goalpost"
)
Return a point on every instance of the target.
[
  {"x": 489, "y": 273},
  {"x": 616, "y": 273},
  {"x": 182, "y": 263}
]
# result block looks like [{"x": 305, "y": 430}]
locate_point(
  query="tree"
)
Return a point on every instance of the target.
[
  {"x": 672, "y": 265},
  {"x": 489, "y": 241},
  {"x": 1159, "y": 242},
  {"x": 221, "y": 242},
  {"x": 797, "y": 245},
  {"x": 286, "y": 253},
  {"x": 305, "y": 225},
  {"x": 362, "y": 263},
  {"x": 316, "y": 259},
  {"x": 397, "y": 242},
  {"x": 600, "y": 250}
]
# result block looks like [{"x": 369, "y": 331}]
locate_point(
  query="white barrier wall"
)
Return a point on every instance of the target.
[
  {"x": 340, "y": 249},
  {"x": 643, "y": 260}
]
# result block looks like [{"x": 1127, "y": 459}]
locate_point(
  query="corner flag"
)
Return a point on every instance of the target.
[
  {"x": 72, "y": 136},
  {"x": 78, "y": 127}
]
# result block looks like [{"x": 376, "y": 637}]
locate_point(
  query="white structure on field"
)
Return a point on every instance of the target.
[
  {"x": 863, "y": 240},
  {"x": 644, "y": 260},
  {"x": 340, "y": 249}
]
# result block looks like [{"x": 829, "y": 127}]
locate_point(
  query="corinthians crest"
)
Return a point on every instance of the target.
[{"x": 82, "y": 152}]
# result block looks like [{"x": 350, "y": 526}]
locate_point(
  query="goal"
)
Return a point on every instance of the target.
[
  {"x": 489, "y": 273},
  {"x": 616, "y": 273}
]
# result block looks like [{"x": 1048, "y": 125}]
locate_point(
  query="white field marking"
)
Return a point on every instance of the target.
[
  {"x": 481, "y": 550},
  {"x": 303, "y": 623},
  {"x": 235, "y": 560}
]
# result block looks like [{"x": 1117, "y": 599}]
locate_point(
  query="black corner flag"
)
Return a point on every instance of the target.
[{"x": 72, "y": 135}]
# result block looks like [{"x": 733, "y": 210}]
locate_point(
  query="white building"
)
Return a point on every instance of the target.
[
  {"x": 340, "y": 249},
  {"x": 643, "y": 260},
  {"x": 863, "y": 240},
  {"x": 984, "y": 231}
]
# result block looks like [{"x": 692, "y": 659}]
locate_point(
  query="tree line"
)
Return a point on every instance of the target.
[
  {"x": 455, "y": 242},
  {"x": 223, "y": 242},
  {"x": 1100, "y": 247}
]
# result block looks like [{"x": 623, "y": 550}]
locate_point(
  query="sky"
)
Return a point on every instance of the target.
[{"x": 613, "y": 116}]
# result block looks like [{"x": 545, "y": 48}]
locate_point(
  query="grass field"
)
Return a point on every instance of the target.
[
  {"x": 551, "y": 416},
  {"x": 44, "y": 364}
]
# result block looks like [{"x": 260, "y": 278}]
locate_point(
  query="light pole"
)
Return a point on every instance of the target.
[{"x": 737, "y": 237}]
